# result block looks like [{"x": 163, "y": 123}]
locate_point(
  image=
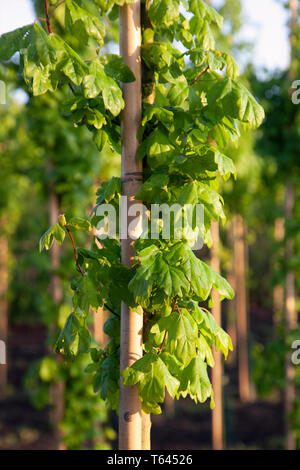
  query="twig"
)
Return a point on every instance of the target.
[
  {"x": 200, "y": 75},
  {"x": 203, "y": 308},
  {"x": 47, "y": 17},
  {"x": 80, "y": 268},
  {"x": 75, "y": 251},
  {"x": 58, "y": 5},
  {"x": 110, "y": 310},
  {"x": 179, "y": 311}
]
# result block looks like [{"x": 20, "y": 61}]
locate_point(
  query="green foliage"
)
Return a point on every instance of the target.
[
  {"x": 56, "y": 232},
  {"x": 81, "y": 405},
  {"x": 200, "y": 104}
]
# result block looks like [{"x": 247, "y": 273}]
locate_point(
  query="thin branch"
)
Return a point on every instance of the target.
[
  {"x": 58, "y": 5},
  {"x": 163, "y": 342},
  {"x": 71, "y": 88},
  {"x": 47, "y": 17},
  {"x": 200, "y": 75},
  {"x": 179, "y": 311},
  {"x": 80, "y": 268},
  {"x": 111, "y": 311},
  {"x": 75, "y": 251}
]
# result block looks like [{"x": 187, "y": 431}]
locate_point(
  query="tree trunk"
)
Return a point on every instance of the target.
[
  {"x": 231, "y": 306},
  {"x": 290, "y": 324},
  {"x": 278, "y": 291},
  {"x": 241, "y": 308},
  {"x": 130, "y": 412},
  {"x": 57, "y": 389},
  {"x": 217, "y": 371},
  {"x": 3, "y": 307},
  {"x": 100, "y": 317}
]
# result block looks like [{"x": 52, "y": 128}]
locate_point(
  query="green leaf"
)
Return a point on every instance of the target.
[
  {"x": 82, "y": 23},
  {"x": 194, "y": 381},
  {"x": 69, "y": 62},
  {"x": 86, "y": 295},
  {"x": 149, "y": 191},
  {"x": 241, "y": 104},
  {"x": 156, "y": 269},
  {"x": 179, "y": 92},
  {"x": 55, "y": 232},
  {"x": 225, "y": 165},
  {"x": 232, "y": 69},
  {"x": 115, "y": 68},
  {"x": 93, "y": 117},
  {"x": 161, "y": 114},
  {"x": 101, "y": 139},
  {"x": 204, "y": 11},
  {"x": 45, "y": 50},
  {"x": 182, "y": 335},
  {"x": 205, "y": 351},
  {"x": 107, "y": 380},
  {"x": 96, "y": 82},
  {"x": 80, "y": 224},
  {"x": 164, "y": 12},
  {"x": 14, "y": 41},
  {"x": 152, "y": 376},
  {"x": 41, "y": 81},
  {"x": 223, "y": 341},
  {"x": 74, "y": 338},
  {"x": 108, "y": 190}
]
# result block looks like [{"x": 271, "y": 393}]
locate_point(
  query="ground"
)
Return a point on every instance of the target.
[{"x": 256, "y": 425}]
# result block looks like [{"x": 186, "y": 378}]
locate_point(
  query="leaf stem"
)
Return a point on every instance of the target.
[
  {"x": 200, "y": 75},
  {"x": 80, "y": 268},
  {"x": 75, "y": 251},
  {"x": 58, "y": 5},
  {"x": 179, "y": 311},
  {"x": 110, "y": 310},
  {"x": 47, "y": 17}
]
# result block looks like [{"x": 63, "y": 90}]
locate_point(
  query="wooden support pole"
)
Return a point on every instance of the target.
[
  {"x": 130, "y": 414},
  {"x": 217, "y": 371},
  {"x": 241, "y": 308}
]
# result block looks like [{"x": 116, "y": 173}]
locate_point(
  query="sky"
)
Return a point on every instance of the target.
[{"x": 266, "y": 28}]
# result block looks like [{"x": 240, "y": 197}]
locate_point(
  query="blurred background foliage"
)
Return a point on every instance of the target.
[{"x": 42, "y": 152}]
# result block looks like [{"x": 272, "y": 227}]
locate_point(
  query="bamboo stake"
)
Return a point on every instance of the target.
[
  {"x": 241, "y": 308},
  {"x": 130, "y": 415},
  {"x": 217, "y": 371}
]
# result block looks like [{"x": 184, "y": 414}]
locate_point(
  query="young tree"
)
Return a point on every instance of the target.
[{"x": 197, "y": 101}]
